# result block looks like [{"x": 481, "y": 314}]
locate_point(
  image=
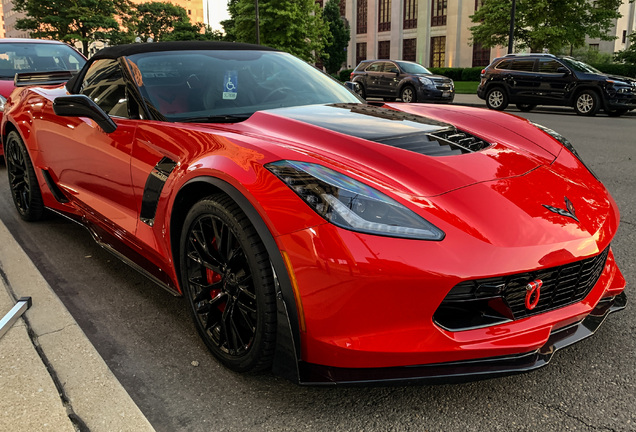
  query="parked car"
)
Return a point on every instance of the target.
[
  {"x": 411, "y": 82},
  {"x": 529, "y": 80},
  {"x": 328, "y": 240},
  {"x": 21, "y": 56}
]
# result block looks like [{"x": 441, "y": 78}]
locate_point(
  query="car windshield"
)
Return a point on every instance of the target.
[
  {"x": 579, "y": 66},
  {"x": 413, "y": 68},
  {"x": 228, "y": 86},
  {"x": 37, "y": 57}
]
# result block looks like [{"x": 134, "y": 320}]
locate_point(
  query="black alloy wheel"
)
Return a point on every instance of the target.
[
  {"x": 408, "y": 94},
  {"x": 23, "y": 183},
  {"x": 587, "y": 103},
  {"x": 525, "y": 107},
  {"x": 227, "y": 277},
  {"x": 497, "y": 99}
]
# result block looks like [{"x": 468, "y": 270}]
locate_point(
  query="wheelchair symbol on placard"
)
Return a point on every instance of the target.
[{"x": 229, "y": 85}]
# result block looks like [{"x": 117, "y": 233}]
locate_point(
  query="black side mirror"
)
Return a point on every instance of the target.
[
  {"x": 563, "y": 70},
  {"x": 83, "y": 106}
]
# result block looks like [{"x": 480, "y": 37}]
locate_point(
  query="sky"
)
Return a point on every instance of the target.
[{"x": 218, "y": 12}]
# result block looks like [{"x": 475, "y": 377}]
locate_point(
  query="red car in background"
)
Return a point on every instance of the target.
[
  {"x": 311, "y": 234},
  {"x": 34, "y": 57}
]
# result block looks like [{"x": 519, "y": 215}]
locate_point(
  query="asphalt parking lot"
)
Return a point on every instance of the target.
[{"x": 147, "y": 339}]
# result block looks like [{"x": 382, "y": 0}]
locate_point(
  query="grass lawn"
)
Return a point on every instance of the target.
[{"x": 466, "y": 87}]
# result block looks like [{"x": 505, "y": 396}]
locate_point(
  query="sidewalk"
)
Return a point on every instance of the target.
[{"x": 51, "y": 376}]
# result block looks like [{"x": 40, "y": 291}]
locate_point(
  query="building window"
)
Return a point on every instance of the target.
[
  {"x": 624, "y": 36},
  {"x": 408, "y": 49},
  {"x": 384, "y": 49},
  {"x": 384, "y": 15},
  {"x": 438, "y": 13},
  {"x": 594, "y": 47},
  {"x": 438, "y": 51},
  {"x": 410, "y": 14},
  {"x": 319, "y": 3},
  {"x": 361, "y": 17},
  {"x": 343, "y": 7},
  {"x": 481, "y": 55},
  {"x": 361, "y": 52}
]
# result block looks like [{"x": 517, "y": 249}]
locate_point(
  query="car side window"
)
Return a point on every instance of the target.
[
  {"x": 104, "y": 84},
  {"x": 391, "y": 67},
  {"x": 523, "y": 65},
  {"x": 505, "y": 64},
  {"x": 375, "y": 67},
  {"x": 549, "y": 65}
]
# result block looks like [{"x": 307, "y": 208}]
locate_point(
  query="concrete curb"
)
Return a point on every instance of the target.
[{"x": 51, "y": 376}]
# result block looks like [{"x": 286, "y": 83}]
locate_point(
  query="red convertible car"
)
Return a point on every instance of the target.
[{"x": 326, "y": 239}]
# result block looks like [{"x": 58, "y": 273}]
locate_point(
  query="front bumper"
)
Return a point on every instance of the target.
[
  {"x": 427, "y": 94},
  {"x": 472, "y": 369}
]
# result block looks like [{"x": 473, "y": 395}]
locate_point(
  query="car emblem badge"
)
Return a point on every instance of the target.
[
  {"x": 563, "y": 212},
  {"x": 533, "y": 293}
]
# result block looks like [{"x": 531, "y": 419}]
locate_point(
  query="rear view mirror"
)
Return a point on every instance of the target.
[
  {"x": 563, "y": 70},
  {"x": 83, "y": 106}
]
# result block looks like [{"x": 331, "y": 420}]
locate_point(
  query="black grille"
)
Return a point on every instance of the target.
[
  {"x": 483, "y": 302},
  {"x": 562, "y": 285}
]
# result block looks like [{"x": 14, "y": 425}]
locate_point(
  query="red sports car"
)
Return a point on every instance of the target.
[
  {"x": 35, "y": 59},
  {"x": 329, "y": 240}
]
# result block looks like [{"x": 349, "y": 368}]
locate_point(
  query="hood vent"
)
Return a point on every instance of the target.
[{"x": 446, "y": 142}]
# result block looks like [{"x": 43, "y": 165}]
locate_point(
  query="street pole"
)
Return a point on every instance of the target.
[
  {"x": 258, "y": 30},
  {"x": 512, "y": 27}
]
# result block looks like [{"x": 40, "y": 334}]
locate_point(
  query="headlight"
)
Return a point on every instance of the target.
[
  {"x": 425, "y": 81},
  {"x": 617, "y": 82},
  {"x": 350, "y": 204},
  {"x": 3, "y": 100},
  {"x": 567, "y": 144}
]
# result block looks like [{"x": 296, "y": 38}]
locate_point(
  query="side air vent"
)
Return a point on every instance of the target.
[{"x": 446, "y": 142}]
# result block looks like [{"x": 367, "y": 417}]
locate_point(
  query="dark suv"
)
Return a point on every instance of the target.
[
  {"x": 529, "y": 80},
  {"x": 411, "y": 82}
]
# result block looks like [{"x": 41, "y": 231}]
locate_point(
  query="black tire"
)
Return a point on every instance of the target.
[
  {"x": 227, "y": 278},
  {"x": 23, "y": 183},
  {"x": 497, "y": 99},
  {"x": 525, "y": 107},
  {"x": 408, "y": 94},
  {"x": 616, "y": 112},
  {"x": 587, "y": 103}
]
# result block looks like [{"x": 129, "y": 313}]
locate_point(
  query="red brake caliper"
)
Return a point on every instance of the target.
[{"x": 214, "y": 277}]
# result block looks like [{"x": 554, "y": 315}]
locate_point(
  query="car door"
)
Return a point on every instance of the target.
[
  {"x": 556, "y": 80},
  {"x": 522, "y": 80},
  {"x": 390, "y": 79},
  {"x": 374, "y": 78},
  {"x": 90, "y": 165}
]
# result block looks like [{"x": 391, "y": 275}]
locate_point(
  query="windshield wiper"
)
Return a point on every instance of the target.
[{"x": 217, "y": 119}]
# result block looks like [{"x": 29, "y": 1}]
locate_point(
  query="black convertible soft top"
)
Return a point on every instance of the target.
[{"x": 137, "y": 48}]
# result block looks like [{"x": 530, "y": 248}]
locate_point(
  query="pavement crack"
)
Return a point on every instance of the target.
[
  {"x": 77, "y": 422},
  {"x": 584, "y": 422},
  {"x": 56, "y": 331},
  {"x": 623, "y": 221}
]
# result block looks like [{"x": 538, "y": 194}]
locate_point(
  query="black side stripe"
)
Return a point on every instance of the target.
[{"x": 153, "y": 188}]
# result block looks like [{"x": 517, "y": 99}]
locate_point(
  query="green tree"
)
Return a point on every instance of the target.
[
  {"x": 295, "y": 26},
  {"x": 157, "y": 19},
  {"x": 197, "y": 31},
  {"x": 339, "y": 36},
  {"x": 72, "y": 20},
  {"x": 628, "y": 55},
  {"x": 541, "y": 24}
]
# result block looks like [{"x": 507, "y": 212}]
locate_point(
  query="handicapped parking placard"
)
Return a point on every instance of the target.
[{"x": 230, "y": 85}]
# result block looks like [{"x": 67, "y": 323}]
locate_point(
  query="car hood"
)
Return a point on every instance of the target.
[
  {"x": 400, "y": 151},
  {"x": 433, "y": 77}
]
